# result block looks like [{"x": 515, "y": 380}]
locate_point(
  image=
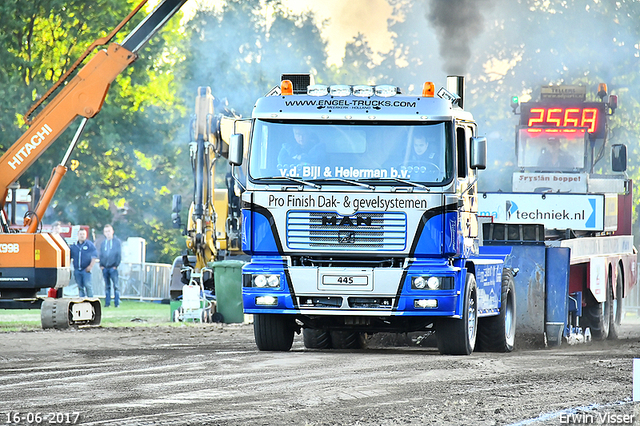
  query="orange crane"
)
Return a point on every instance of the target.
[{"x": 34, "y": 260}]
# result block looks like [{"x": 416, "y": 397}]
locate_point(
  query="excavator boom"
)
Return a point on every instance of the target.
[{"x": 32, "y": 261}]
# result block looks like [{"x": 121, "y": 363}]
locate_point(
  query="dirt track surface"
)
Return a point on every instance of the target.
[{"x": 214, "y": 375}]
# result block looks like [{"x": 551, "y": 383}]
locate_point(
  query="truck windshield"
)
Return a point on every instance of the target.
[
  {"x": 552, "y": 150},
  {"x": 357, "y": 151}
]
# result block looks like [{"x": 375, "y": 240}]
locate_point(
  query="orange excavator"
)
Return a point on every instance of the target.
[{"x": 35, "y": 260}]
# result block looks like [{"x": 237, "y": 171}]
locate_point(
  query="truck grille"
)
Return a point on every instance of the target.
[{"x": 361, "y": 231}]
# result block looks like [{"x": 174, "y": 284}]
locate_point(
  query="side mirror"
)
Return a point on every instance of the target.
[
  {"x": 176, "y": 203},
  {"x": 478, "y": 153},
  {"x": 619, "y": 158},
  {"x": 176, "y": 206},
  {"x": 236, "y": 149}
]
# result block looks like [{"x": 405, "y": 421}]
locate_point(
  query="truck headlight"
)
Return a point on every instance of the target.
[
  {"x": 432, "y": 283},
  {"x": 273, "y": 281},
  {"x": 419, "y": 283},
  {"x": 269, "y": 281}
]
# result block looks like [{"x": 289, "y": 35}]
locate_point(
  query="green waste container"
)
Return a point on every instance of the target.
[{"x": 227, "y": 275}]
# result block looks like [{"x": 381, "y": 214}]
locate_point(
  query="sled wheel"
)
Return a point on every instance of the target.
[
  {"x": 316, "y": 338},
  {"x": 341, "y": 339}
]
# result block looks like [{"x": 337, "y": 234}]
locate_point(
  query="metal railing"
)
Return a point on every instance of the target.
[{"x": 139, "y": 281}]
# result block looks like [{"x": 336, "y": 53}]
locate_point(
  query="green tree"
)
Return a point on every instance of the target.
[
  {"x": 240, "y": 50},
  {"x": 126, "y": 156}
]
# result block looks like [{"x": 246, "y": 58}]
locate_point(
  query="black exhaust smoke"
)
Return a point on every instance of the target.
[{"x": 457, "y": 23}]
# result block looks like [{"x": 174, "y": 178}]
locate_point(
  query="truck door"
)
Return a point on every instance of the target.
[{"x": 466, "y": 186}]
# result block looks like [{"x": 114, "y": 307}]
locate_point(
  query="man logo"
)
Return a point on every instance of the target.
[
  {"x": 346, "y": 220},
  {"x": 346, "y": 237}
]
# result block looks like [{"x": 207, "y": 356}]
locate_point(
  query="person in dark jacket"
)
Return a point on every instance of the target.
[
  {"x": 84, "y": 256},
  {"x": 305, "y": 148},
  {"x": 110, "y": 256}
]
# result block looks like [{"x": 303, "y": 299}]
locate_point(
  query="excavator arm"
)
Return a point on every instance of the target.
[
  {"x": 82, "y": 96},
  {"x": 32, "y": 261},
  {"x": 214, "y": 216},
  {"x": 213, "y": 226}
]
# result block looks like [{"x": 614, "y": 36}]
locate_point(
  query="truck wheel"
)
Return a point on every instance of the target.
[
  {"x": 616, "y": 307},
  {"x": 597, "y": 317},
  {"x": 498, "y": 333},
  {"x": 316, "y": 339},
  {"x": 458, "y": 336},
  {"x": 273, "y": 332},
  {"x": 346, "y": 339}
]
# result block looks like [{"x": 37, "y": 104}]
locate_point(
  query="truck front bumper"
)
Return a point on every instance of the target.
[{"x": 322, "y": 291}]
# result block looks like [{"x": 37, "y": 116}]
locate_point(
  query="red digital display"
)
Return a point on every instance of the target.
[
  {"x": 590, "y": 115},
  {"x": 564, "y": 117}
]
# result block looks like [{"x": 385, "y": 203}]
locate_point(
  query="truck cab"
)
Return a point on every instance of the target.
[{"x": 360, "y": 214}]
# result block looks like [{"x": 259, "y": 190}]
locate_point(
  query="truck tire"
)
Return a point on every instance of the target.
[
  {"x": 341, "y": 339},
  {"x": 458, "y": 336},
  {"x": 597, "y": 317},
  {"x": 498, "y": 333},
  {"x": 273, "y": 332},
  {"x": 616, "y": 307},
  {"x": 316, "y": 338}
]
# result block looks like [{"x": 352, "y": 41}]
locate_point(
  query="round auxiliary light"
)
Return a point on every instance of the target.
[
  {"x": 433, "y": 283},
  {"x": 273, "y": 281},
  {"x": 363, "y": 91},
  {"x": 318, "y": 90},
  {"x": 385, "y": 90},
  {"x": 260, "y": 281},
  {"x": 340, "y": 90},
  {"x": 419, "y": 282}
]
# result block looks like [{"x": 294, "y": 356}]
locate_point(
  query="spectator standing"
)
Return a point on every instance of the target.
[
  {"x": 110, "y": 256},
  {"x": 84, "y": 256}
]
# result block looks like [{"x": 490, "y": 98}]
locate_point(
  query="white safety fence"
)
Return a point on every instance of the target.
[{"x": 139, "y": 281}]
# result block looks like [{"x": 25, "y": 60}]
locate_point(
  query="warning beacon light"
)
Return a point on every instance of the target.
[
  {"x": 515, "y": 102},
  {"x": 428, "y": 89},
  {"x": 602, "y": 90},
  {"x": 286, "y": 88}
]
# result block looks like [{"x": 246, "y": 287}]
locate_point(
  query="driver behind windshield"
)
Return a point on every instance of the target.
[
  {"x": 305, "y": 148},
  {"x": 423, "y": 157},
  {"x": 554, "y": 156}
]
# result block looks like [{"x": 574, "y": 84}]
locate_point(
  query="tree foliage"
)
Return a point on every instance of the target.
[
  {"x": 134, "y": 154},
  {"x": 126, "y": 155},
  {"x": 241, "y": 49}
]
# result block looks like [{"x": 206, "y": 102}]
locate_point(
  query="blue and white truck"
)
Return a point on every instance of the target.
[{"x": 360, "y": 216}]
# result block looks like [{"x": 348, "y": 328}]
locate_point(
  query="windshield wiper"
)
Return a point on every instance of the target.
[
  {"x": 352, "y": 182},
  {"x": 406, "y": 182},
  {"x": 304, "y": 182}
]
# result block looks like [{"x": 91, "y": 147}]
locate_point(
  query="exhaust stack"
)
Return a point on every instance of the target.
[{"x": 455, "y": 85}]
